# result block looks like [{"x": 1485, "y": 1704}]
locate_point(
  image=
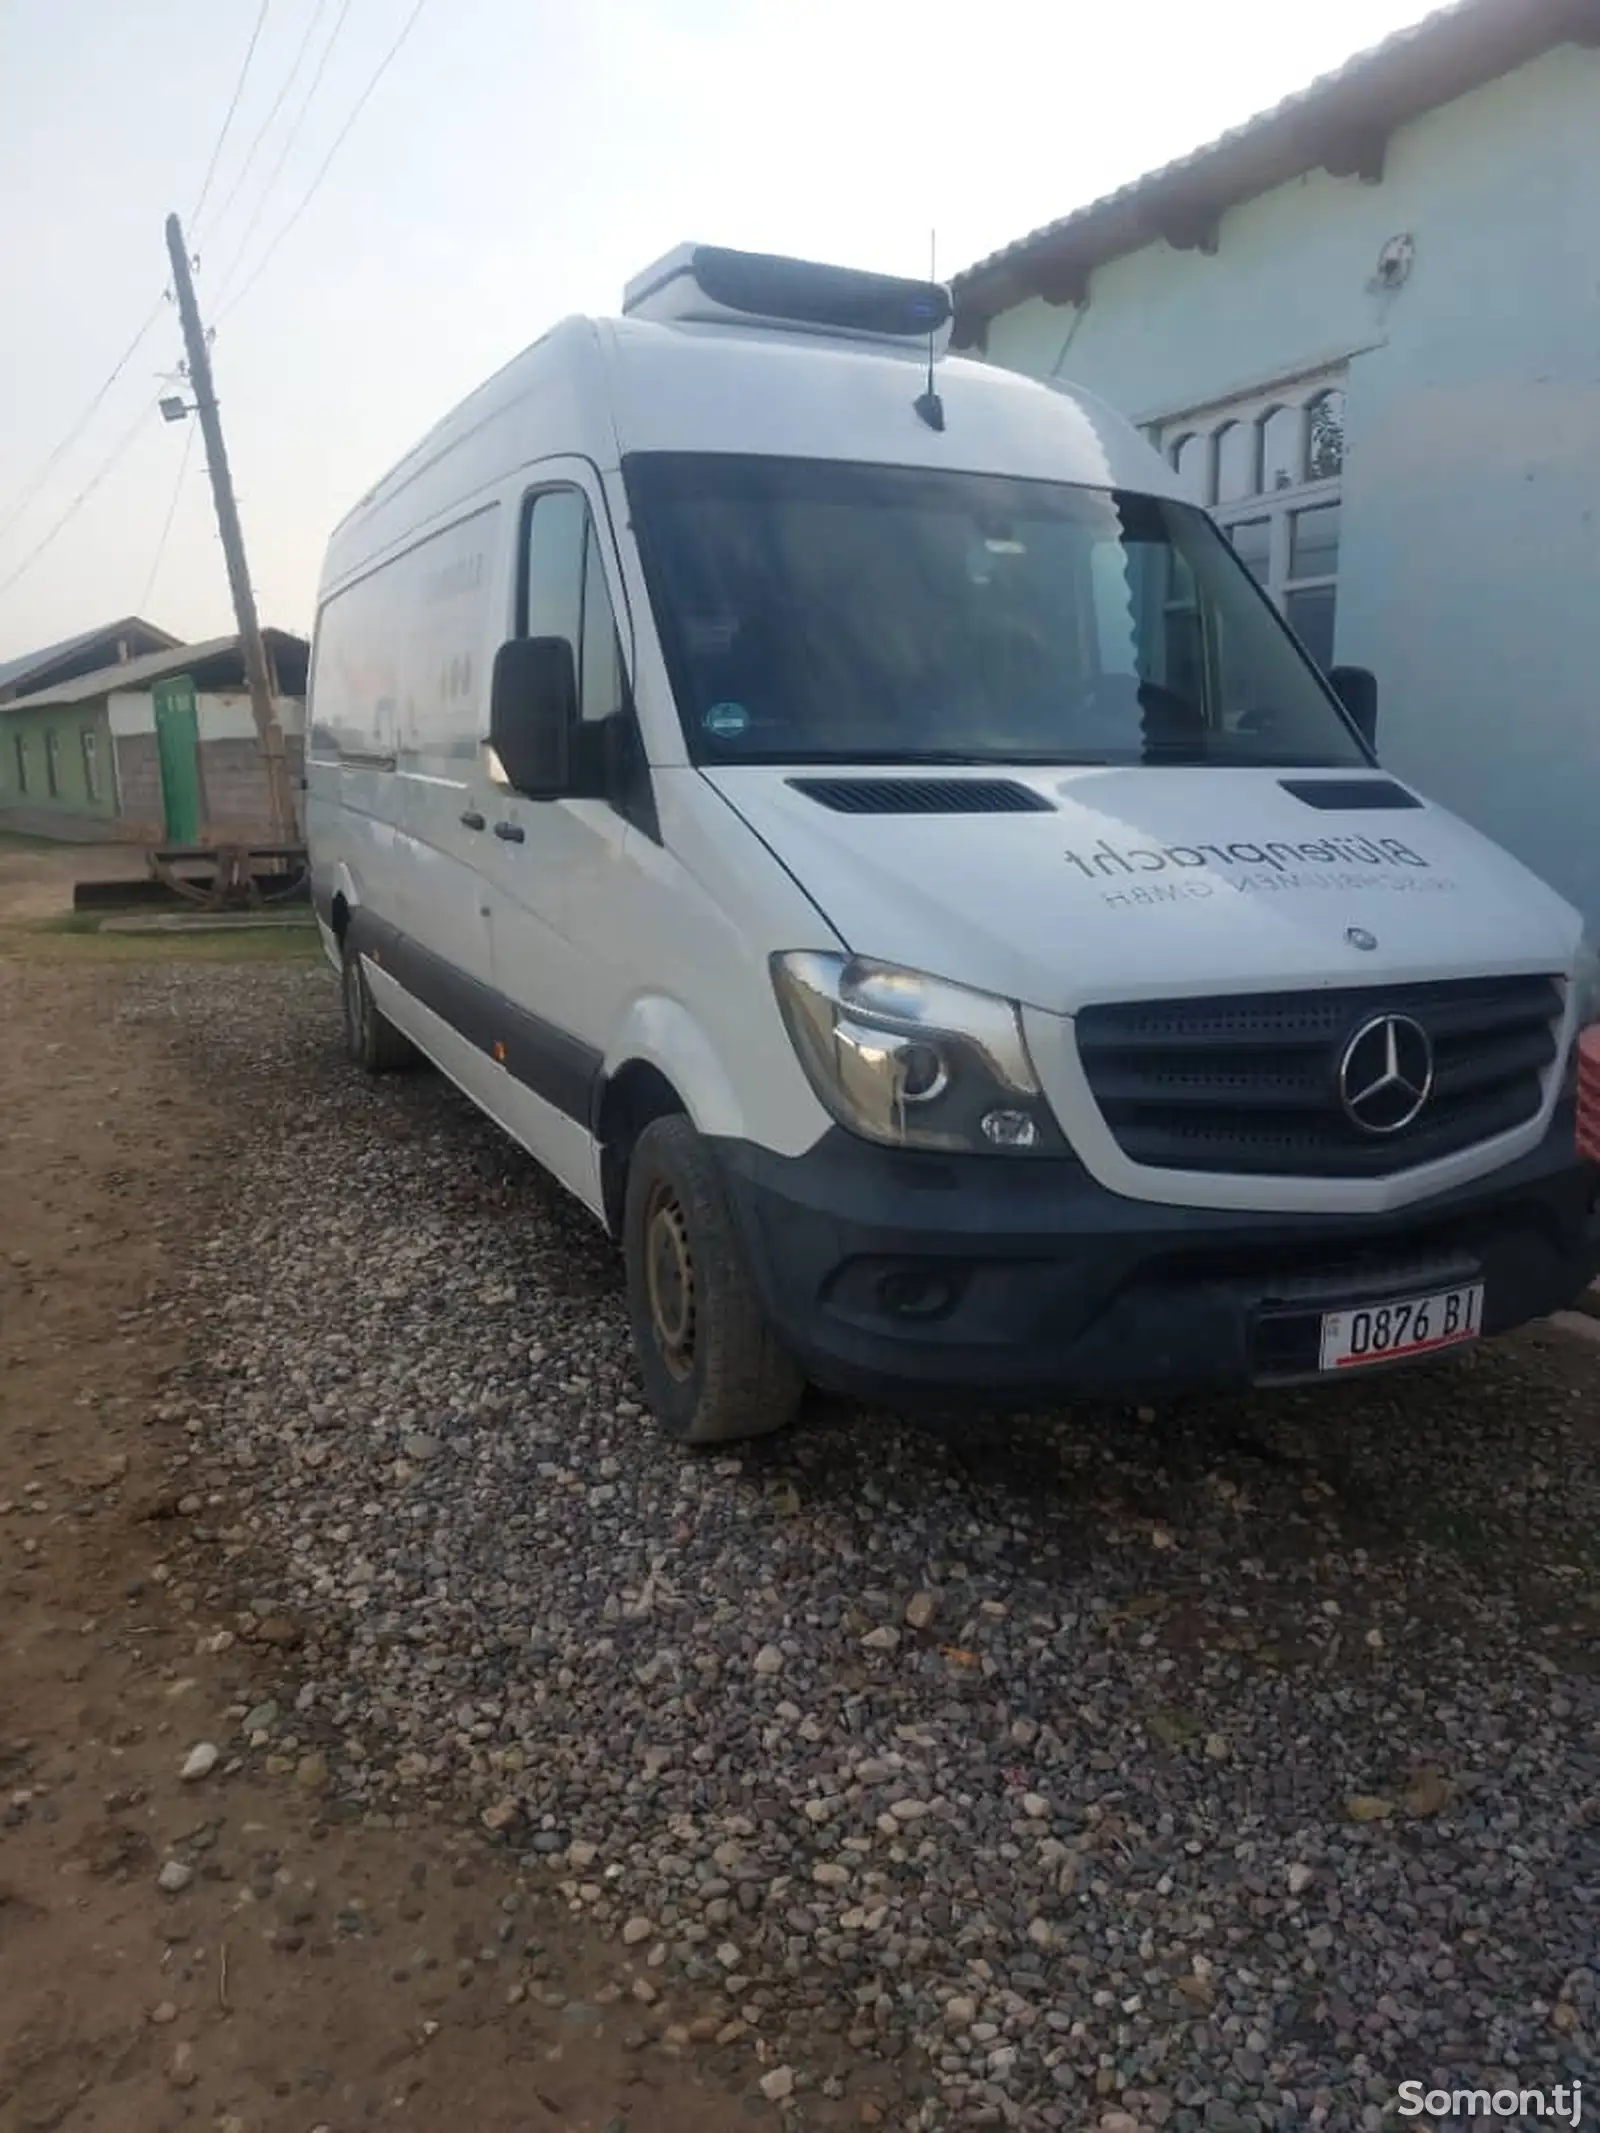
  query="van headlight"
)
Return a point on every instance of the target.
[{"x": 913, "y": 1061}]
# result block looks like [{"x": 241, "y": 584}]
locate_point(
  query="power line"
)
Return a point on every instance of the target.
[
  {"x": 340, "y": 138},
  {"x": 266, "y": 125},
  {"x": 283, "y": 155},
  {"x": 82, "y": 423},
  {"x": 117, "y": 452},
  {"x": 172, "y": 512},
  {"x": 227, "y": 122}
]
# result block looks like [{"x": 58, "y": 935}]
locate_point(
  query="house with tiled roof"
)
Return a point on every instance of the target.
[
  {"x": 1364, "y": 327},
  {"x": 112, "y": 644},
  {"x": 129, "y": 733}
]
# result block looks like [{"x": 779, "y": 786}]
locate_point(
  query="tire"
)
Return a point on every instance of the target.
[
  {"x": 713, "y": 1369},
  {"x": 370, "y": 1038}
]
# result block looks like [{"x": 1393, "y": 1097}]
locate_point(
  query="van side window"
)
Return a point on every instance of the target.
[
  {"x": 552, "y": 566},
  {"x": 564, "y": 594}
]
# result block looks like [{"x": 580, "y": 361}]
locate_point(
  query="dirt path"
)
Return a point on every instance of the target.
[
  {"x": 1208, "y": 1644},
  {"x": 36, "y": 878},
  {"x": 302, "y": 1973}
]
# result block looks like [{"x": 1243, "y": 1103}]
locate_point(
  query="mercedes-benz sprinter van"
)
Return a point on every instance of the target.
[{"x": 843, "y": 812}]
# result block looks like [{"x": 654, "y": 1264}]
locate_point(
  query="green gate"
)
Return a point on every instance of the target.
[{"x": 178, "y": 750}]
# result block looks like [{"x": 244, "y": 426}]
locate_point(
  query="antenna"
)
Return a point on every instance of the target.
[{"x": 928, "y": 405}]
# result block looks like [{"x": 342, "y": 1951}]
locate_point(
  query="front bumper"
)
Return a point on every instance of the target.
[{"x": 915, "y": 1279}]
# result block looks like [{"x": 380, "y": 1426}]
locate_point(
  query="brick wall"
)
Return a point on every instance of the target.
[
  {"x": 233, "y": 777},
  {"x": 238, "y": 797},
  {"x": 139, "y": 783}
]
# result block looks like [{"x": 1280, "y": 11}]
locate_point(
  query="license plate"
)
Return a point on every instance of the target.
[{"x": 1413, "y": 1325}]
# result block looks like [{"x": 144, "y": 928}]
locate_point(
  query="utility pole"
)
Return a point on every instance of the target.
[{"x": 268, "y": 731}]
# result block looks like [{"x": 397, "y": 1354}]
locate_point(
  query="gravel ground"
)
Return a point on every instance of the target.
[{"x": 1221, "y": 1767}]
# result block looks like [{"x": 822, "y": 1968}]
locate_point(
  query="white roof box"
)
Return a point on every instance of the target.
[{"x": 709, "y": 285}]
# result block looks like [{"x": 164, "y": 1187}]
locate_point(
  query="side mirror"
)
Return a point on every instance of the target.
[
  {"x": 1357, "y": 689},
  {"x": 533, "y": 712}
]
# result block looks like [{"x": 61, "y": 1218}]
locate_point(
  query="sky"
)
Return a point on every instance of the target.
[{"x": 518, "y": 160}]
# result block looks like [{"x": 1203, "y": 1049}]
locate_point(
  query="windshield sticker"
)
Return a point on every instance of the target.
[
  {"x": 1336, "y": 863},
  {"x": 726, "y": 721}
]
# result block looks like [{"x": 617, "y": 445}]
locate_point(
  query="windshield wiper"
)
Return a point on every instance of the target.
[
  {"x": 1179, "y": 757},
  {"x": 1066, "y": 762}
]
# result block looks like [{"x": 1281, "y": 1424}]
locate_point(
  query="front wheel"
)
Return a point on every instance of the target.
[{"x": 713, "y": 1368}]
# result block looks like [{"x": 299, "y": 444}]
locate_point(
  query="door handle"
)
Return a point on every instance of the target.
[
  {"x": 472, "y": 820},
  {"x": 512, "y": 832}
]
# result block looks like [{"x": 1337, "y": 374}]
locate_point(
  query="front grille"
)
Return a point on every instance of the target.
[{"x": 1250, "y": 1085}]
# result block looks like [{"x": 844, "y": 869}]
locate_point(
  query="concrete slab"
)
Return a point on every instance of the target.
[{"x": 209, "y": 922}]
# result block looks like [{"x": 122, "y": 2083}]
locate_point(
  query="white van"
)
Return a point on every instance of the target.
[{"x": 847, "y": 817}]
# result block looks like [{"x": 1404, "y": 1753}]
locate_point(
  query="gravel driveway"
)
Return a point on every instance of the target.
[{"x": 1218, "y": 1767}]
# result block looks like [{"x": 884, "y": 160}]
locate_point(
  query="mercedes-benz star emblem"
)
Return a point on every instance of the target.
[
  {"x": 1359, "y": 937},
  {"x": 1386, "y": 1073}
]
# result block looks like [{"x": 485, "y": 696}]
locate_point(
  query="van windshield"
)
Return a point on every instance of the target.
[{"x": 812, "y": 611}]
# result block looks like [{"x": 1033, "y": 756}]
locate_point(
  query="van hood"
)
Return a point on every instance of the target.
[{"x": 1140, "y": 883}]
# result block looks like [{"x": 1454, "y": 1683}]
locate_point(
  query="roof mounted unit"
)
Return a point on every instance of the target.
[{"x": 709, "y": 285}]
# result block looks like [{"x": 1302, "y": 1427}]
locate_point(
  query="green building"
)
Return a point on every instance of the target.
[
  {"x": 57, "y": 761},
  {"x": 131, "y": 734}
]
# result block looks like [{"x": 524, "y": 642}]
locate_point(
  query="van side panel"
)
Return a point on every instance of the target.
[
  {"x": 397, "y": 649},
  {"x": 403, "y": 804},
  {"x": 685, "y": 985},
  {"x": 562, "y": 1143},
  {"x": 400, "y": 660}
]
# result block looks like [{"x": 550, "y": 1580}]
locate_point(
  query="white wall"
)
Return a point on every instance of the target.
[
  {"x": 1470, "y": 572},
  {"x": 222, "y": 716}
]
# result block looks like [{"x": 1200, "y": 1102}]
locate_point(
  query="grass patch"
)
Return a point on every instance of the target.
[
  {"x": 77, "y": 938},
  {"x": 68, "y": 922}
]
